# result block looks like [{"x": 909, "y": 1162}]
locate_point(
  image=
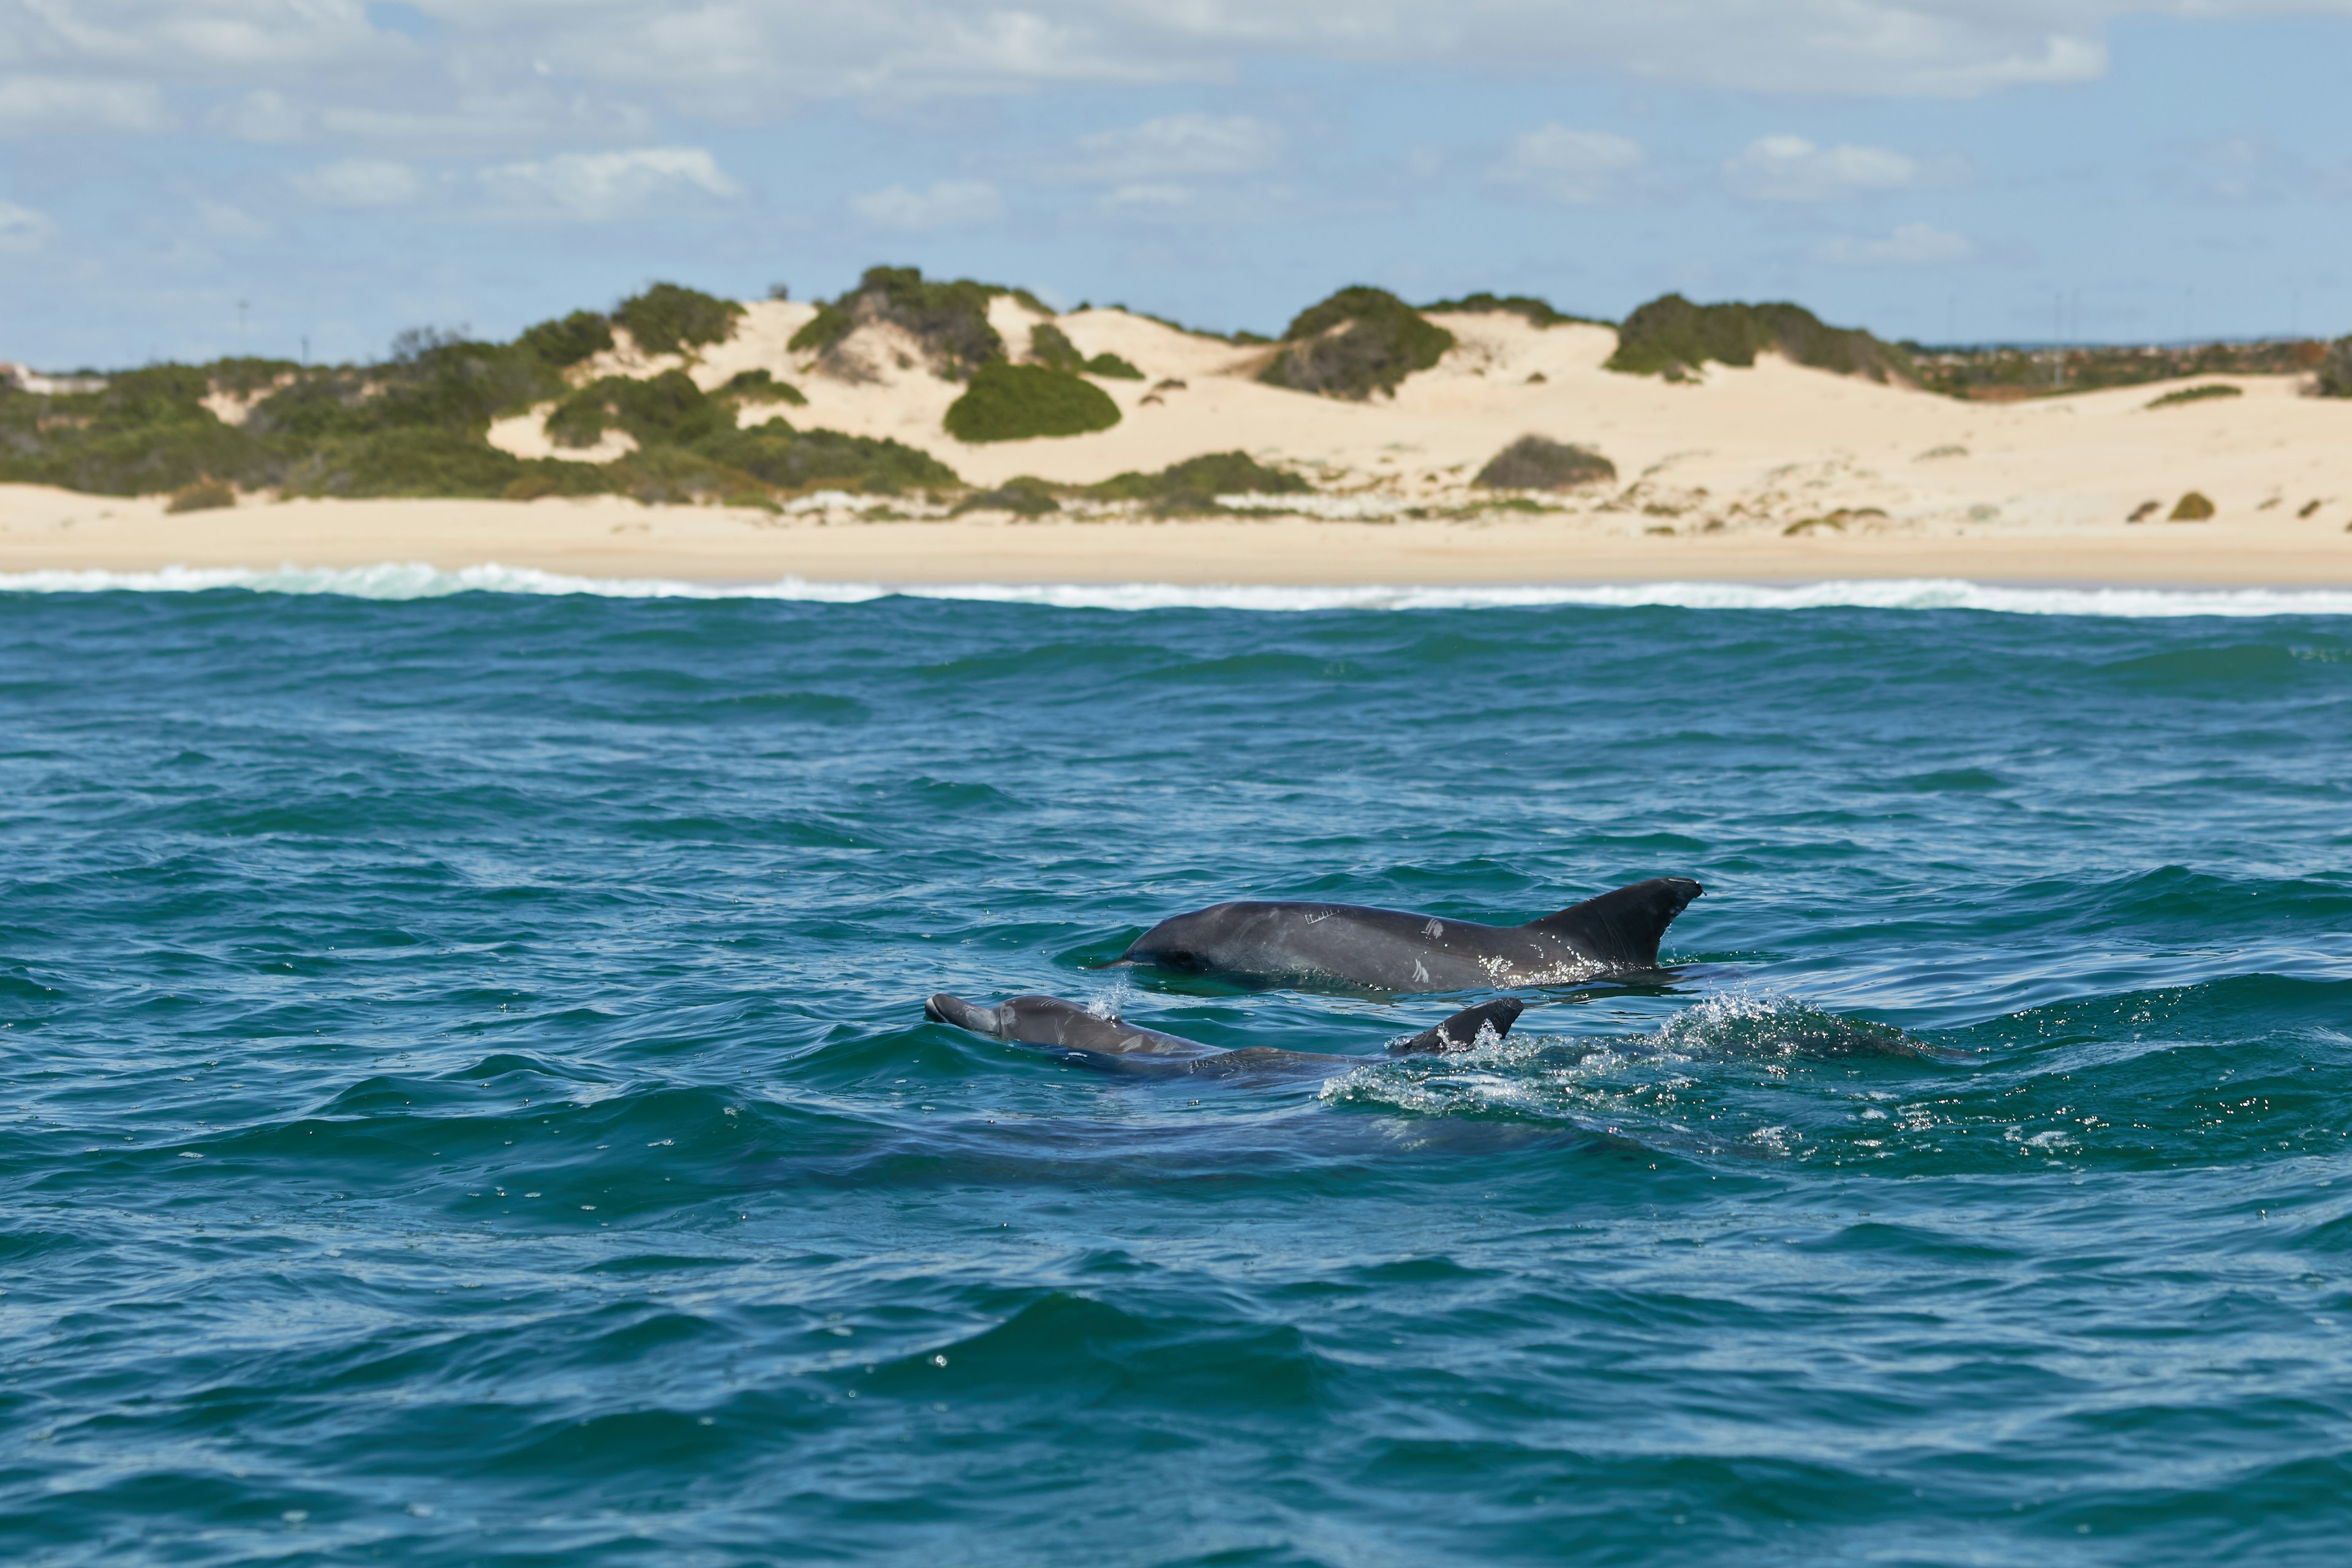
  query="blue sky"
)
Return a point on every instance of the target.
[{"x": 1985, "y": 169}]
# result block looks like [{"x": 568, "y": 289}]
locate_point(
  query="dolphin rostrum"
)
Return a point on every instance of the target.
[
  {"x": 1051, "y": 1022},
  {"x": 1389, "y": 950}
]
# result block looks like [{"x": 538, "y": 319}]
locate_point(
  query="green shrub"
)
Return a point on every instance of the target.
[
  {"x": 778, "y": 455},
  {"x": 1672, "y": 334},
  {"x": 1194, "y": 484},
  {"x": 1356, "y": 343},
  {"x": 553, "y": 477},
  {"x": 244, "y": 377},
  {"x": 2192, "y": 508},
  {"x": 667, "y": 409},
  {"x": 2196, "y": 395},
  {"x": 147, "y": 433},
  {"x": 1016, "y": 402},
  {"x": 1051, "y": 347},
  {"x": 205, "y": 495},
  {"x": 442, "y": 384},
  {"x": 414, "y": 460},
  {"x": 1023, "y": 497},
  {"x": 950, "y": 320},
  {"x": 667, "y": 319},
  {"x": 565, "y": 341},
  {"x": 1538, "y": 313},
  {"x": 2336, "y": 370},
  {"x": 761, "y": 386},
  {"x": 1536, "y": 463}
]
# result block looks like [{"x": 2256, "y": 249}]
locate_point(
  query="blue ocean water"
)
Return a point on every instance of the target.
[{"x": 464, "y": 1095}]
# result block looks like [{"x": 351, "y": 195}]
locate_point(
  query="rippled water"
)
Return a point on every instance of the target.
[{"x": 467, "y": 1099}]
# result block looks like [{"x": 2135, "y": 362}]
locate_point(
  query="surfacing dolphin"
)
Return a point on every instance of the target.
[
  {"x": 1389, "y": 950},
  {"x": 1050, "y": 1022}
]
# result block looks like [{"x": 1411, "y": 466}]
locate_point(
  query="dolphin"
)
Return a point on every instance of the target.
[
  {"x": 1391, "y": 950},
  {"x": 1051, "y": 1022}
]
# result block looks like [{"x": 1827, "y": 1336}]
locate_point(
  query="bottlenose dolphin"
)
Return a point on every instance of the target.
[
  {"x": 1111, "y": 1042},
  {"x": 1391, "y": 950}
]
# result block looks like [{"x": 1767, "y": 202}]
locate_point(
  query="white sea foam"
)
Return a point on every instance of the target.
[{"x": 414, "y": 580}]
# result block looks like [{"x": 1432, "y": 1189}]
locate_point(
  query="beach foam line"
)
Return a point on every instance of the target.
[{"x": 415, "y": 580}]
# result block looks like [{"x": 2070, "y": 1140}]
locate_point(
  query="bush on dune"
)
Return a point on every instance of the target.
[
  {"x": 667, "y": 409},
  {"x": 1194, "y": 484},
  {"x": 761, "y": 386},
  {"x": 1538, "y": 463},
  {"x": 949, "y": 319},
  {"x": 1670, "y": 336},
  {"x": 2336, "y": 371},
  {"x": 147, "y": 433},
  {"x": 1051, "y": 347},
  {"x": 667, "y": 319},
  {"x": 1017, "y": 402},
  {"x": 1359, "y": 341},
  {"x": 776, "y": 454},
  {"x": 565, "y": 341},
  {"x": 1538, "y": 313}
]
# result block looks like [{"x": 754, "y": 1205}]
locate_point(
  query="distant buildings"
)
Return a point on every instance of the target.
[{"x": 24, "y": 378}]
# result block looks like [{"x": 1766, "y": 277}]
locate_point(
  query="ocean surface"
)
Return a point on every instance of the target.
[{"x": 465, "y": 1096}]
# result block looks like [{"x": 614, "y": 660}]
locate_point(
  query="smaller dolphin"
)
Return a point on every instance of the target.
[
  {"x": 1391, "y": 950},
  {"x": 1056, "y": 1024}
]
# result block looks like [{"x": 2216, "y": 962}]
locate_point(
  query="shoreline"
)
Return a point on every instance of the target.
[{"x": 43, "y": 530}]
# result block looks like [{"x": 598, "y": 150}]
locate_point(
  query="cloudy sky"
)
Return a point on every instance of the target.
[{"x": 184, "y": 178}]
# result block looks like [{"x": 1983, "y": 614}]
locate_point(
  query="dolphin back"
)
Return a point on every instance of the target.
[{"x": 1623, "y": 928}]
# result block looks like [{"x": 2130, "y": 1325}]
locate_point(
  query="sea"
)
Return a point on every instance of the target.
[{"x": 465, "y": 1095}]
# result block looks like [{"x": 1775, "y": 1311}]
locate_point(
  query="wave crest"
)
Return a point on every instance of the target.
[{"x": 417, "y": 580}]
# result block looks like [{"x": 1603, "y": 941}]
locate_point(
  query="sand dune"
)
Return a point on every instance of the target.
[{"x": 1881, "y": 480}]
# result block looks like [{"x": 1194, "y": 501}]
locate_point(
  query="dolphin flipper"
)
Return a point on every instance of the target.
[
  {"x": 1623, "y": 928},
  {"x": 1461, "y": 1032}
]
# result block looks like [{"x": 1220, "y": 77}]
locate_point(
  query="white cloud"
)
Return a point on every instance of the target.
[
  {"x": 360, "y": 182},
  {"x": 599, "y": 185},
  {"x": 1569, "y": 165},
  {"x": 950, "y": 203},
  {"x": 1178, "y": 145},
  {"x": 226, "y": 222},
  {"x": 742, "y": 58},
  {"x": 265, "y": 117},
  {"x": 22, "y": 230},
  {"x": 29, "y": 103},
  {"x": 1912, "y": 244},
  {"x": 1791, "y": 169}
]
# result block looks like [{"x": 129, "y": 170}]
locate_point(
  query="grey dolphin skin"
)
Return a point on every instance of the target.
[
  {"x": 1111, "y": 1042},
  {"x": 1389, "y": 950}
]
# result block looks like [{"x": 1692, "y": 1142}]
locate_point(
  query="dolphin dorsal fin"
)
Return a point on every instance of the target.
[
  {"x": 1623, "y": 928},
  {"x": 1460, "y": 1032}
]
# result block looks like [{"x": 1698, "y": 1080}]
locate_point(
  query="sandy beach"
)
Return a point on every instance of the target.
[{"x": 1769, "y": 474}]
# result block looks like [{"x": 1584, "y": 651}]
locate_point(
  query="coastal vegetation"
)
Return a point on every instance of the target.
[
  {"x": 668, "y": 319},
  {"x": 2001, "y": 373},
  {"x": 1672, "y": 337},
  {"x": 1359, "y": 341},
  {"x": 2196, "y": 395},
  {"x": 1016, "y": 402},
  {"x": 1539, "y": 463},
  {"x": 1194, "y": 484},
  {"x": 418, "y": 423},
  {"x": 1538, "y": 313},
  {"x": 1051, "y": 347},
  {"x": 948, "y": 318},
  {"x": 2334, "y": 378},
  {"x": 2194, "y": 507}
]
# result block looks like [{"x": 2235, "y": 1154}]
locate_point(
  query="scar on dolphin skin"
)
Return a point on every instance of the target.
[
  {"x": 1115, "y": 1044},
  {"x": 1392, "y": 949}
]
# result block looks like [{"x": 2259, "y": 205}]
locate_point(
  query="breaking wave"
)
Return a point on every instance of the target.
[{"x": 416, "y": 580}]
